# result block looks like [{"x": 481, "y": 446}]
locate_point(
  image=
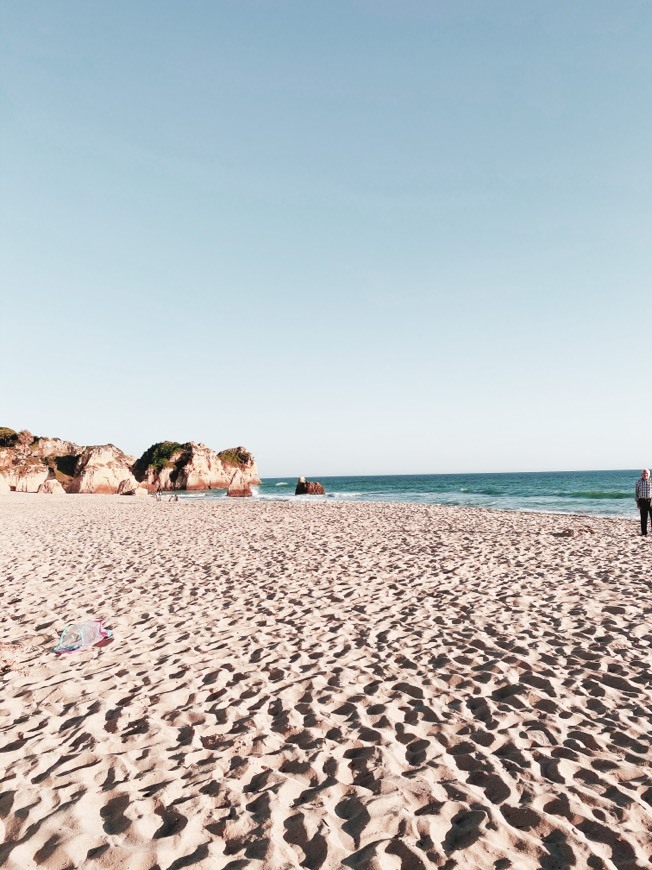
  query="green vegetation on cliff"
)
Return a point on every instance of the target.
[
  {"x": 8, "y": 437},
  {"x": 159, "y": 456},
  {"x": 156, "y": 457},
  {"x": 11, "y": 438},
  {"x": 236, "y": 457}
]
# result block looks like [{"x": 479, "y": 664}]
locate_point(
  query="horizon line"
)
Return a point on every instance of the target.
[{"x": 458, "y": 473}]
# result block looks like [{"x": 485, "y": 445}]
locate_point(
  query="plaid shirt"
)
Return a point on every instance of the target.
[{"x": 644, "y": 488}]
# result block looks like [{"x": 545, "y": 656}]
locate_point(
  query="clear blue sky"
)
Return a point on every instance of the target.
[{"x": 356, "y": 237}]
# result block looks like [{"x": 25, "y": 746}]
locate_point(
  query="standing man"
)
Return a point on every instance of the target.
[{"x": 644, "y": 498}]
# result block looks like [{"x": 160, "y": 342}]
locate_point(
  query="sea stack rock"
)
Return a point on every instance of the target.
[
  {"x": 169, "y": 465},
  {"x": 239, "y": 485},
  {"x": 309, "y": 487}
]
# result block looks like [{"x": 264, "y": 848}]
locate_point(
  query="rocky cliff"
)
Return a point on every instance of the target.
[
  {"x": 27, "y": 461},
  {"x": 29, "y": 464},
  {"x": 103, "y": 469},
  {"x": 169, "y": 465}
]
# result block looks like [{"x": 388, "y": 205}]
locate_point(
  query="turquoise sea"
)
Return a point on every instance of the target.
[{"x": 603, "y": 493}]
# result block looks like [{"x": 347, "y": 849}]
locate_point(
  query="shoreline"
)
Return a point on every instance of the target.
[
  {"x": 200, "y": 498},
  {"x": 324, "y": 684}
]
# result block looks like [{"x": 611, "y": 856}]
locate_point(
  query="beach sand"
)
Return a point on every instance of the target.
[{"x": 323, "y": 685}]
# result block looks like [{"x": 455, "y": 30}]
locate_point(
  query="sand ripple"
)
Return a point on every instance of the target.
[{"x": 323, "y": 686}]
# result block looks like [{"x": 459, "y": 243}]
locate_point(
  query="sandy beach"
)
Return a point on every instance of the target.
[{"x": 323, "y": 685}]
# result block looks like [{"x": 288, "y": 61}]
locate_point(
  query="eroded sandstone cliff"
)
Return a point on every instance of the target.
[
  {"x": 169, "y": 465},
  {"x": 31, "y": 464},
  {"x": 103, "y": 470}
]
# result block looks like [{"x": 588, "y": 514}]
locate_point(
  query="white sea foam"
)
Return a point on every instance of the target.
[{"x": 599, "y": 493}]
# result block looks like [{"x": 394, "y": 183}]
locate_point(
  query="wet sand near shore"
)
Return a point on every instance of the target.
[{"x": 323, "y": 685}]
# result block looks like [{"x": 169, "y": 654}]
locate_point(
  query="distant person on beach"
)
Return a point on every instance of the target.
[{"x": 644, "y": 498}]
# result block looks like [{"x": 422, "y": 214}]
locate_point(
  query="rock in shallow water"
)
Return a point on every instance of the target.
[
  {"x": 239, "y": 485},
  {"x": 309, "y": 487}
]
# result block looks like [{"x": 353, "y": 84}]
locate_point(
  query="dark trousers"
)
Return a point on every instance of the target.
[{"x": 645, "y": 507}]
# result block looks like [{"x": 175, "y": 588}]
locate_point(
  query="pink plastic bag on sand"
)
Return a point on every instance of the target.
[{"x": 79, "y": 636}]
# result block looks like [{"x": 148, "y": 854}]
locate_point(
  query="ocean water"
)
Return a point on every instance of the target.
[{"x": 601, "y": 493}]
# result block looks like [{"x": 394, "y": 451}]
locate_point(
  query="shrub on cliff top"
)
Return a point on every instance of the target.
[
  {"x": 8, "y": 437},
  {"x": 236, "y": 457},
  {"x": 156, "y": 457}
]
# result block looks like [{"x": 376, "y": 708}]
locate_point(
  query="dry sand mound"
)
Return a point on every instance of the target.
[{"x": 323, "y": 685}]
